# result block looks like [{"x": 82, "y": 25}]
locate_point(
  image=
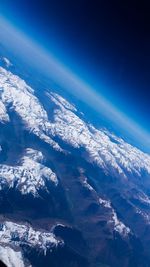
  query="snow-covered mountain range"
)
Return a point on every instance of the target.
[
  {"x": 105, "y": 149},
  {"x": 86, "y": 179}
]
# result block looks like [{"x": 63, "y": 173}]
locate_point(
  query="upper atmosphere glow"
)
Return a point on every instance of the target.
[{"x": 35, "y": 55}]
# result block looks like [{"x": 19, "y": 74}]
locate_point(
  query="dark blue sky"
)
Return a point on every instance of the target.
[{"x": 105, "y": 42}]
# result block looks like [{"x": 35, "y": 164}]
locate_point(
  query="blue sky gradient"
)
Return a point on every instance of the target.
[{"x": 98, "y": 97}]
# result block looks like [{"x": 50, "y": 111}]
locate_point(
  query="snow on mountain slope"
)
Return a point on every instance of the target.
[
  {"x": 6, "y": 62},
  {"x": 113, "y": 220},
  {"x": 60, "y": 101},
  {"x": 3, "y": 113},
  {"x": 110, "y": 153},
  {"x": 16, "y": 94},
  {"x": 22, "y": 234},
  {"x": 28, "y": 177},
  {"x": 118, "y": 226},
  {"x": 11, "y": 257}
]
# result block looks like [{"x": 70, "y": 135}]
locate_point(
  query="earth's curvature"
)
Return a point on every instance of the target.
[{"x": 71, "y": 195}]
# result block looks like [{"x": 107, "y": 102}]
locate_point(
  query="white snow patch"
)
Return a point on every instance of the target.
[
  {"x": 11, "y": 257},
  {"x": 86, "y": 184},
  {"x": 7, "y": 62},
  {"x": 20, "y": 234},
  {"x": 60, "y": 101},
  {"x": 105, "y": 203},
  {"x": 143, "y": 214},
  {"x": 28, "y": 177},
  {"x": 3, "y": 113}
]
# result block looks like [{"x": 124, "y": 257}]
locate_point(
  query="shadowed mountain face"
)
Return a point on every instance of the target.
[
  {"x": 2, "y": 264},
  {"x": 71, "y": 195}
]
